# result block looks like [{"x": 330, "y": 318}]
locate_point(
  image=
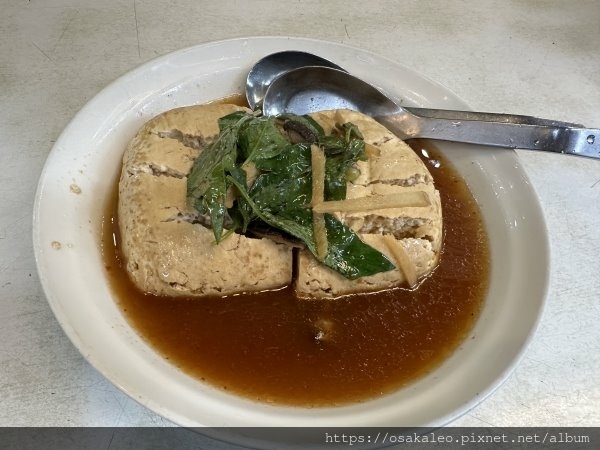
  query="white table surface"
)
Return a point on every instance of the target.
[{"x": 529, "y": 57}]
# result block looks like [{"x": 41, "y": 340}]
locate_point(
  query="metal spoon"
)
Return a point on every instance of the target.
[
  {"x": 310, "y": 89},
  {"x": 274, "y": 65}
]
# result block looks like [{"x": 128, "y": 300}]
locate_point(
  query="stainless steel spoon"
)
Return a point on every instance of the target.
[
  {"x": 310, "y": 89},
  {"x": 274, "y": 65}
]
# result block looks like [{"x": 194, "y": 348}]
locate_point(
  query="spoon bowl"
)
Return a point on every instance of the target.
[
  {"x": 272, "y": 66},
  {"x": 315, "y": 88}
]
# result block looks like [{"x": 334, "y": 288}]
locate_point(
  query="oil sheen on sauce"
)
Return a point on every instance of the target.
[{"x": 272, "y": 347}]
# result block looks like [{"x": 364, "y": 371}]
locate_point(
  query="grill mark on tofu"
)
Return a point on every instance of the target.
[
  {"x": 188, "y": 140},
  {"x": 399, "y": 227},
  {"x": 196, "y": 219},
  {"x": 194, "y": 142},
  {"x": 383, "y": 140},
  {"x": 156, "y": 170},
  {"x": 405, "y": 182},
  {"x": 189, "y": 217}
]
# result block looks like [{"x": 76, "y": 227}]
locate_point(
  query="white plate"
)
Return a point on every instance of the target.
[{"x": 88, "y": 155}]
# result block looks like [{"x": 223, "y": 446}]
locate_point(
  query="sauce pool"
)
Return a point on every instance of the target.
[{"x": 270, "y": 346}]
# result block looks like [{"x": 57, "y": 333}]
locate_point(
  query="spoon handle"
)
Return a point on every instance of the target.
[
  {"x": 458, "y": 115},
  {"x": 552, "y": 138}
]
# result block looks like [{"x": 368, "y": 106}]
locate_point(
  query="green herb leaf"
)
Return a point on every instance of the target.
[
  {"x": 299, "y": 230},
  {"x": 261, "y": 139},
  {"x": 350, "y": 131},
  {"x": 241, "y": 214},
  {"x": 207, "y": 186},
  {"x": 232, "y": 120},
  {"x": 337, "y": 166},
  {"x": 349, "y": 255}
]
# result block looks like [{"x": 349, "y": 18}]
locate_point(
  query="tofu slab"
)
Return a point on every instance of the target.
[
  {"x": 394, "y": 167},
  {"x": 166, "y": 252}
]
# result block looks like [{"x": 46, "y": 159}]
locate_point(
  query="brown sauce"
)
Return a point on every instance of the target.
[{"x": 265, "y": 346}]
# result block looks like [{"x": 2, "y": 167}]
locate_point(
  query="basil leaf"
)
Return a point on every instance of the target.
[
  {"x": 231, "y": 120},
  {"x": 350, "y": 131},
  {"x": 261, "y": 139},
  {"x": 299, "y": 230},
  {"x": 349, "y": 255},
  {"x": 336, "y": 168},
  {"x": 293, "y": 160},
  {"x": 332, "y": 145},
  {"x": 241, "y": 214},
  {"x": 278, "y": 193},
  {"x": 213, "y": 201},
  {"x": 206, "y": 184}
]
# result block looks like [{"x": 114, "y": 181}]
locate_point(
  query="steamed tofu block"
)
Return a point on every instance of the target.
[
  {"x": 166, "y": 248},
  {"x": 411, "y": 234}
]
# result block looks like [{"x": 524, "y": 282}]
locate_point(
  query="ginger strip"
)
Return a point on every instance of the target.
[
  {"x": 371, "y": 151},
  {"x": 320, "y": 233},
  {"x": 401, "y": 259},
  {"x": 396, "y": 200},
  {"x": 318, "y": 195}
]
